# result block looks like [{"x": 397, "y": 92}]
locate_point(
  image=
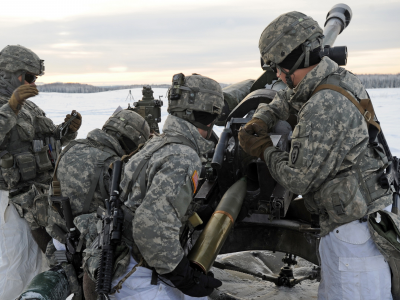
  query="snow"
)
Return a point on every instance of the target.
[{"x": 97, "y": 107}]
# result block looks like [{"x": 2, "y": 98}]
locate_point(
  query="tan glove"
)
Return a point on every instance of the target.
[
  {"x": 257, "y": 126},
  {"x": 254, "y": 145},
  {"x": 19, "y": 96},
  {"x": 75, "y": 123}
]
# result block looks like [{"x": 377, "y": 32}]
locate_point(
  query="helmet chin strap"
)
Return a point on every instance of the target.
[
  {"x": 204, "y": 127},
  {"x": 289, "y": 74}
]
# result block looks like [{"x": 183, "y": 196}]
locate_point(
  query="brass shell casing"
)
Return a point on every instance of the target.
[{"x": 213, "y": 237}]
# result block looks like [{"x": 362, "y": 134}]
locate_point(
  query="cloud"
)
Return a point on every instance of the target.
[
  {"x": 217, "y": 38},
  {"x": 118, "y": 69}
]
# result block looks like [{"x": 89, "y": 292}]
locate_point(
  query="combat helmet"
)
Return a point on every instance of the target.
[
  {"x": 129, "y": 128},
  {"x": 286, "y": 33},
  {"x": 15, "y": 58},
  {"x": 196, "y": 99}
]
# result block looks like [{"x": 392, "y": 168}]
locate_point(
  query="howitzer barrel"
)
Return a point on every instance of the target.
[
  {"x": 217, "y": 229},
  {"x": 337, "y": 20}
]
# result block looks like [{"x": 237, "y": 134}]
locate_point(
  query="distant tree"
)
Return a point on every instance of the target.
[{"x": 380, "y": 81}]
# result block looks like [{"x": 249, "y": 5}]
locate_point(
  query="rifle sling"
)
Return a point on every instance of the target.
[{"x": 364, "y": 106}]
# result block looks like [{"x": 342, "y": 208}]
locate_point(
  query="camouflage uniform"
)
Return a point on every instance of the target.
[
  {"x": 25, "y": 174},
  {"x": 329, "y": 162},
  {"x": 84, "y": 165},
  {"x": 171, "y": 181},
  {"x": 75, "y": 172},
  {"x": 331, "y": 134},
  {"x": 157, "y": 188},
  {"x": 16, "y": 135}
]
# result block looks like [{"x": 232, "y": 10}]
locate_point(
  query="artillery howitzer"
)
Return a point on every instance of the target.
[
  {"x": 149, "y": 108},
  {"x": 276, "y": 219}
]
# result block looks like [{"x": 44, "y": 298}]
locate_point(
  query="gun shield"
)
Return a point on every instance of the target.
[{"x": 217, "y": 229}]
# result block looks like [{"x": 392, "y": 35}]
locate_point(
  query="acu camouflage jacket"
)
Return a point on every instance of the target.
[
  {"x": 171, "y": 180},
  {"x": 17, "y": 133},
  {"x": 330, "y": 136},
  {"x": 76, "y": 173}
]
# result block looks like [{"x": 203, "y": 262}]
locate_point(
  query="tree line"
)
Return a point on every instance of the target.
[
  {"x": 60, "y": 87},
  {"x": 380, "y": 81},
  {"x": 370, "y": 81}
]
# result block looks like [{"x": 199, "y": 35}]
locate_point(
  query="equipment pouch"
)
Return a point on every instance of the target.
[
  {"x": 341, "y": 199},
  {"x": 43, "y": 162},
  {"x": 44, "y": 125},
  {"x": 40, "y": 206},
  {"x": 23, "y": 202},
  {"x": 385, "y": 231},
  {"x": 9, "y": 173},
  {"x": 25, "y": 130},
  {"x": 26, "y": 164}
]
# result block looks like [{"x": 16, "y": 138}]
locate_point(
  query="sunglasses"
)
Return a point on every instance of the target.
[{"x": 30, "y": 78}]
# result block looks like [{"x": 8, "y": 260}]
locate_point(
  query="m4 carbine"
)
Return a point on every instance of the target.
[
  {"x": 110, "y": 236},
  {"x": 73, "y": 245}
]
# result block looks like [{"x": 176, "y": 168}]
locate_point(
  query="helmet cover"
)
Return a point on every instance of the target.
[
  {"x": 128, "y": 124},
  {"x": 286, "y": 33},
  {"x": 15, "y": 58}
]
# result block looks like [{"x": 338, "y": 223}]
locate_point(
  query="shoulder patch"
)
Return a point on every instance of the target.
[{"x": 195, "y": 181}]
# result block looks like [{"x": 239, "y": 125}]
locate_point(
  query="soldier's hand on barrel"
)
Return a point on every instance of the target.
[
  {"x": 254, "y": 145},
  {"x": 75, "y": 123},
  {"x": 19, "y": 96},
  {"x": 256, "y": 126}
]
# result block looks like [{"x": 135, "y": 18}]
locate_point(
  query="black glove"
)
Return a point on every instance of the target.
[{"x": 192, "y": 282}]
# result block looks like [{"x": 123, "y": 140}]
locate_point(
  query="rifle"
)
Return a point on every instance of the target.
[
  {"x": 110, "y": 236},
  {"x": 73, "y": 254}
]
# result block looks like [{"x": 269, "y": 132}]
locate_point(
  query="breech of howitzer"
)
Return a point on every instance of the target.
[{"x": 213, "y": 237}]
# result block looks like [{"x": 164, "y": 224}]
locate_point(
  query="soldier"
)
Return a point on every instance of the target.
[
  {"x": 29, "y": 145},
  {"x": 332, "y": 162},
  {"x": 82, "y": 176},
  {"x": 158, "y": 186}
]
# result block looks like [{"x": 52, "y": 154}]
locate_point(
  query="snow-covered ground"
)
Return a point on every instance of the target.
[{"x": 97, "y": 107}]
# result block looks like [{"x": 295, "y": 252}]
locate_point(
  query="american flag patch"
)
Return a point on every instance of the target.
[{"x": 195, "y": 180}]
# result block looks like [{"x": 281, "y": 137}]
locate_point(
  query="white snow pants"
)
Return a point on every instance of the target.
[
  {"x": 20, "y": 256},
  {"x": 352, "y": 268},
  {"x": 138, "y": 287}
]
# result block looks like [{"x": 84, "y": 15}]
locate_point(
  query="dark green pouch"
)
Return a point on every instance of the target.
[{"x": 27, "y": 165}]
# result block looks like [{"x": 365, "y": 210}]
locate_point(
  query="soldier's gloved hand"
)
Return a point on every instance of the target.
[
  {"x": 256, "y": 126},
  {"x": 192, "y": 282},
  {"x": 19, "y": 96},
  {"x": 254, "y": 145},
  {"x": 75, "y": 123}
]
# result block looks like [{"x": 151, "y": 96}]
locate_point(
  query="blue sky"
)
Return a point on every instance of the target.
[{"x": 127, "y": 42}]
